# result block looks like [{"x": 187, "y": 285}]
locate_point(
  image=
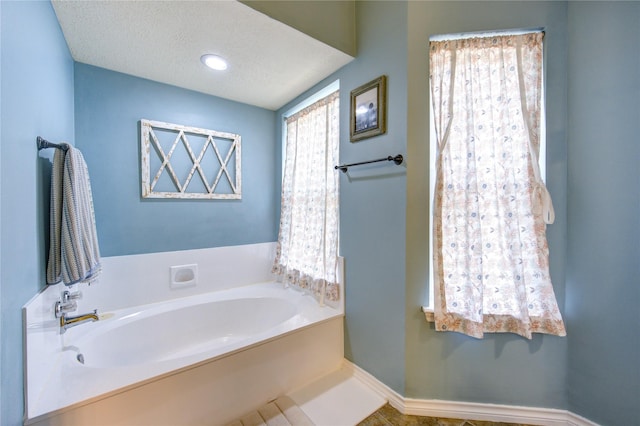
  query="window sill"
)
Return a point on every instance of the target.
[{"x": 428, "y": 313}]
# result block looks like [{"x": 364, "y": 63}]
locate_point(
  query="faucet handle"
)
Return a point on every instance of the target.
[
  {"x": 62, "y": 308},
  {"x": 68, "y": 296}
]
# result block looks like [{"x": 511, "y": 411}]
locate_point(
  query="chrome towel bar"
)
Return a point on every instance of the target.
[
  {"x": 44, "y": 144},
  {"x": 398, "y": 159}
]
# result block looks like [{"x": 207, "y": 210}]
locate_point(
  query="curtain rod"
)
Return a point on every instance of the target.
[{"x": 491, "y": 33}]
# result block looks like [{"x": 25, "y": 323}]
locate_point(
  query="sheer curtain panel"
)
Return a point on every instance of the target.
[
  {"x": 307, "y": 248},
  {"x": 491, "y": 207}
]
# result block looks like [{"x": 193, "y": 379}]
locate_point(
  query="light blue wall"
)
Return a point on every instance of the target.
[
  {"x": 373, "y": 203},
  {"x": 592, "y": 162},
  {"x": 1, "y": 322},
  {"x": 109, "y": 106},
  {"x": 502, "y": 368},
  {"x": 37, "y": 99},
  {"x": 603, "y": 274}
]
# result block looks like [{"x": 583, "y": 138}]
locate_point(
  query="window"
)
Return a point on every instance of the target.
[
  {"x": 490, "y": 265},
  {"x": 307, "y": 247}
]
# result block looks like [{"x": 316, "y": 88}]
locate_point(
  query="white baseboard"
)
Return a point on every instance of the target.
[{"x": 468, "y": 410}]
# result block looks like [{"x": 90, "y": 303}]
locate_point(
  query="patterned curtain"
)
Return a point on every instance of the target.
[
  {"x": 490, "y": 254},
  {"x": 307, "y": 248}
]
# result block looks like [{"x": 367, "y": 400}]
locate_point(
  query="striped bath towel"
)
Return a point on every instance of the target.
[{"x": 74, "y": 255}]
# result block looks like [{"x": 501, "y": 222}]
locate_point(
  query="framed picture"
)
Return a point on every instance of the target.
[{"x": 369, "y": 109}]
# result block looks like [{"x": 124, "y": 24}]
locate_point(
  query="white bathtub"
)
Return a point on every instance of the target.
[
  {"x": 193, "y": 328},
  {"x": 187, "y": 328},
  {"x": 201, "y": 359}
]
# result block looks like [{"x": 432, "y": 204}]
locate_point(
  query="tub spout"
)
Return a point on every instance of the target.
[{"x": 68, "y": 322}]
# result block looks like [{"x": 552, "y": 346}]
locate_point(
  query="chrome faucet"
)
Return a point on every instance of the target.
[
  {"x": 68, "y": 322},
  {"x": 68, "y": 304}
]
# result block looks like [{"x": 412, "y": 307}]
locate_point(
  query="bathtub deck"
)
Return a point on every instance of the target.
[
  {"x": 313, "y": 334},
  {"x": 337, "y": 399}
]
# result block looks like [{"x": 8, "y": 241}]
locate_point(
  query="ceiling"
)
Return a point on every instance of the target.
[{"x": 270, "y": 63}]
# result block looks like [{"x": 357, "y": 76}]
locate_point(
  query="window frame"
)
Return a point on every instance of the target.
[
  {"x": 320, "y": 94},
  {"x": 428, "y": 307},
  {"x": 326, "y": 91}
]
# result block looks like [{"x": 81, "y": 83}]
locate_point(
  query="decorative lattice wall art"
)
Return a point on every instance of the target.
[{"x": 187, "y": 162}]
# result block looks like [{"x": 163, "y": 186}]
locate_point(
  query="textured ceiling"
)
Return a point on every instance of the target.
[{"x": 270, "y": 63}]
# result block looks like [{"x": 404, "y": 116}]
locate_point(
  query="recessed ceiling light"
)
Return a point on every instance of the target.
[{"x": 214, "y": 62}]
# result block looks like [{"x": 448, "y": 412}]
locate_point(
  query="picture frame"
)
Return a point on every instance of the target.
[{"x": 368, "y": 114}]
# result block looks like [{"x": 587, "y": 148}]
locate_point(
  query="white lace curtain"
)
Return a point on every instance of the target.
[
  {"x": 307, "y": 248},
  {"x": 491, "y": 207}
]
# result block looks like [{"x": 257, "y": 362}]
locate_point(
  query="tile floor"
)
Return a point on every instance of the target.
[{"x": 389, "y": 416}]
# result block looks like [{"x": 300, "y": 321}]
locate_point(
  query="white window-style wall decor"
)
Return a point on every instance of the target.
[{"x": 168, "y": 162}]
